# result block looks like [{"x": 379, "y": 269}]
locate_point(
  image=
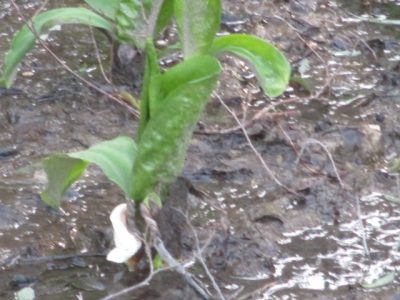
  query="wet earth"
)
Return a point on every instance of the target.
[{"x": 308, "y": 210}]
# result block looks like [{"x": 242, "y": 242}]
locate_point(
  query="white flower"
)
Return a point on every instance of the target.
[{"x": 127, "y": 244}]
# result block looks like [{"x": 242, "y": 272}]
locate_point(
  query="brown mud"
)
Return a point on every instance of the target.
[{"x": 262, "y": 242}]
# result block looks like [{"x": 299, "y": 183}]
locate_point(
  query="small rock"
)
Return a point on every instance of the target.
[{"x": 361, "y": 144}]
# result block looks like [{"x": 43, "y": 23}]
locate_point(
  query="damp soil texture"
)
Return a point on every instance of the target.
[{"x": 308, "y": 210}]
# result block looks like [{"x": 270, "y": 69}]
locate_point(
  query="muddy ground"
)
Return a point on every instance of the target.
[{"x": 319, "y": 234}]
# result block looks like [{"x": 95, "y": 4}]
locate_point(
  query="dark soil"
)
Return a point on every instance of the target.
[{"x": 321, "y": 240}]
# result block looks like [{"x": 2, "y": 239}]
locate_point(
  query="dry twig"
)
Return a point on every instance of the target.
[
  {"x": 200, "y": 257},
  {"x": 261, "y": 159},
  {"x": 69, "y": 69},
  {"x": 323, "y": 146},
  {"x": 96, "y": 49}
]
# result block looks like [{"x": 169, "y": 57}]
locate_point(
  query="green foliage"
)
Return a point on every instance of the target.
[
  {"x": 198, "y": 22},
  {"x": 129, "y": 21},
  {"x": 270, "y": 65},
  {"x": 24, "y": 40},
  {"x": 163, "y": 144},
  {"x": 171, "y": 102},
  {"x": 107, "y": 8},
  {"x": 114, "y": 157},
  {"x": 149, "y": 88},
  {"x": 62, "y": 171},
  {"x": 166, "y": 15},
  {"x": 161, "y": 151},
  {"x": 137, "y": 22}
]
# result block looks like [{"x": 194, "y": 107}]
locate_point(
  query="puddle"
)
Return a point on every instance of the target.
[{"x": 332, "y": 258}]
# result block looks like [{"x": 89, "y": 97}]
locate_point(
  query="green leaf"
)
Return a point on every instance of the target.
[
  {"x": 158, "y": 263},
  {"x": 24, "y": 40},
  {"x": 107, "y": 8},
  {"x": 382, "y": 281},
  {"x": 149, "y": 95},
  {"x": 62, "y": 171},
  {"x": 198, "y": 22},
  {"x": 130, "y": 23},
  {"x": 162, "y": 147},
  {"x": 166, "y": 14},
  {"x": 115, "y": 158},
  {"x": 270, "y": 65}
]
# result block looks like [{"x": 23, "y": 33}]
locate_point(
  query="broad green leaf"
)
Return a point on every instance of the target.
[
  {"x": 107, "y": 8},
  {"x": 115, "y": 158},
  {"x": 162, "y": 147},
  {"x": 149, "y": 95},
  {"x": 165, "y": 15},
  {"x": 382, "y": 281},
  {"x": 24, "y": 40},
  {"x": 198, "y": 22},
  {"x": 269, "y": 64},
  {"x": 62, "y": 171}
]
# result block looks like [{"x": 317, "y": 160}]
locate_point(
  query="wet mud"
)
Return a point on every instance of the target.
[{"x": 323, "y": 224}]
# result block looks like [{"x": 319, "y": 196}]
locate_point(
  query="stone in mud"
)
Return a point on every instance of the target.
[
  {"x": 360, "y": 145},
  {"x": 21, "y": 280},
  {"x": 128, "y": 67}
]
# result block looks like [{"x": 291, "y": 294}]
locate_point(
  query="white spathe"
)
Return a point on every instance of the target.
[{"x": 127, "y": 244}]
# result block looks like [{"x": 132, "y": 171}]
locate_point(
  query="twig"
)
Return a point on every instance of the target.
[
  {"x": 323, "y": 146},
  {"x": 305, "y": 42},
  {"x": 258, "y": 155},
  {"x": 200, "y": 257},
  {"x": 66, "y": 67},
  {"x": 155, "y": 240},
  {"x": 168, "y": 258},
  {"x": 363, "y": 232},
  {"x": 98, "y": 56},
  {"x": 288, "y": 138},
  {"x": 79, "y": 296},
  {"x": 263, "y": 113},
  {"x": 40, "y": 8},
  {"x": 42, "y": 259},
  {"x": 189, "y": 278}
]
